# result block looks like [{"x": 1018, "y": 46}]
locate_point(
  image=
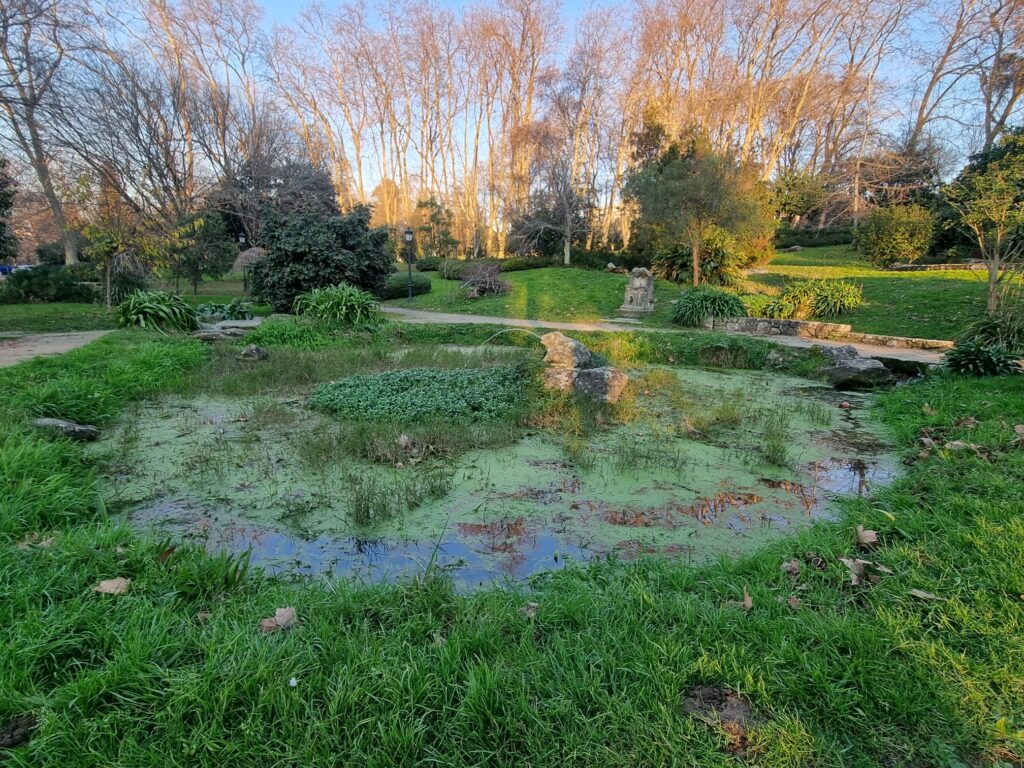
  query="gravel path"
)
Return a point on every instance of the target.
[{"x": 14, "y": 350}]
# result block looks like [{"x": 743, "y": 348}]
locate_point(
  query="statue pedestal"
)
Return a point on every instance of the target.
[{"x": 639, "y": 299}]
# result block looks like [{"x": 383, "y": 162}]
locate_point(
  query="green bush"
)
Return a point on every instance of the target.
[
  {"x": 417, "y": 393},
  {"x": 236, "y": 310},
  {"x": 157, "y": 309},
  {"x": 720, "y": 261},
  {"x": 901, "y": 234},
  {"x": 695, "y": 304},
  {"x": 978, "y": 358},
  {"x": 1004, "y": 327},
  {"x": 813, "y": 237},
  {"x": 814, "y": 298},
  {"x": 44, "y": 284},
  {"x": 599, "y": 258},
  {"x": 340, "y": 305},
  {"x": 520, "y": 263},
  {"x": 397, "y": 286},
  {"x": 310, "y": 251},
  {"x": 428, "y": 263},
  {"x": 757, "y": 304},
  {"x": 289, "y": 332}
]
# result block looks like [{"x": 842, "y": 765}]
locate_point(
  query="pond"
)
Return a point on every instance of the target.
[{"x": 709, "y": 464}]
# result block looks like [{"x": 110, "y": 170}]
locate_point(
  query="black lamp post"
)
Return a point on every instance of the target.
[{"x": 408, "y": 256}]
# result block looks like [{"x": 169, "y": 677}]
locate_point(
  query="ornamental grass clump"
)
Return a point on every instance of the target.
[{"x": 340, "y": 304}]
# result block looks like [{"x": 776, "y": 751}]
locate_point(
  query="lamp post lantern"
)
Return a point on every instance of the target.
[{"x": 408, "y": 257}]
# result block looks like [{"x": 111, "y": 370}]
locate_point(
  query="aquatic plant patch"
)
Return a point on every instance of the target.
[{"x": 418, "y": 393}]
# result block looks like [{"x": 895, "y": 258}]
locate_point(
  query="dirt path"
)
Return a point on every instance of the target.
[
  {"x": 925, "y": 356},
  {"x": 14, "y": 350}
]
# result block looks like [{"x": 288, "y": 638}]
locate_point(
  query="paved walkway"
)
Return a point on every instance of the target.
[
  {"x": 919, "y": 356},
  {"x": 21, "y": 348}
]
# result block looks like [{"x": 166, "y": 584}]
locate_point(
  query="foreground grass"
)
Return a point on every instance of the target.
[
  {"x": 930, "y": 305},
  {"x": 53, "y": 318},
  {"x": 552, "y": 293},
  {"x": 175, "y": 672}
]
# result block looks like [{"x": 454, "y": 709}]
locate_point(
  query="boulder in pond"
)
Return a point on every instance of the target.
[{"x": 80, "y": 432}]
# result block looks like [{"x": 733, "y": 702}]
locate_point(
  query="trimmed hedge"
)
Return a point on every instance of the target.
[{"x": 397, "y": 286}]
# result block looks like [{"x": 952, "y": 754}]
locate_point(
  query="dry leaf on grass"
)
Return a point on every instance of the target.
[
  {"x": 116, "y": 586},
  {"x": 866, "y": 538},
  {"x": 928, "y": 410},
  {"x": 794, "y": 603},
  {"x": 967, "y": 422},
  {"x": 33, "y": 540},
  {"x": 283, "y": 618},
  {"x": 164, "y": 556},
  {"x": 203, "y": 616},
  {"x": 1018, "y": 431},
  {"x": 920, "y": 593},
  {"x": 791, "y": 568},
  {"x": 748, "y": 601},
  {"x": 529, "y": 610}
]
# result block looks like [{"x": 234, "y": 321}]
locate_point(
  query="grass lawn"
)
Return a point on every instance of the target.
[
  {"x": 933, "y": 305},
  {"x": 49, "y": 318},
  {"x": 552, "y": 293},
  {"x": 930, "y": 305},
  {"x": 922, "y": 666}
]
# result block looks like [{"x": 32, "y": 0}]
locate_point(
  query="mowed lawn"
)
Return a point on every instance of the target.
[
  {"x": 552, "y": 293},
  {"x": 930, "y": 305}
]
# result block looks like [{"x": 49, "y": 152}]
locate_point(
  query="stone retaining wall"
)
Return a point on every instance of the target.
[
  {"x": 809, "y": 329},
  {"x": 970, "y": 266}
]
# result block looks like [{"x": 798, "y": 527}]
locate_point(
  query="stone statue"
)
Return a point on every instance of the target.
[{"x": 639, "y": 294}]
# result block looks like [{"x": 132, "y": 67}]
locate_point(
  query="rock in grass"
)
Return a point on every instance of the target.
[
  {"x": 859, "y": 373},
  {"x": 81, "y": 432},
  {"x": 563, "y": 352},
  {"x": 252, "y": 352},
  {"x": 604, "y": 383}
]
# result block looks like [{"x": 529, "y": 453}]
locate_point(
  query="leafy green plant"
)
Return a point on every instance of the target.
[
  {"x": 695, "y": 304},
  {"x": 310, "y": 251},
  {"x": 757, "y": 304},
  {"x": 900, "y": 234},
  {"x": 978, "y": 358},
  {"x": 417, "y": 393},
  {"x": 236, "y": 310},
  {"x": 397, "y": 286},
  {"x": 340, "y": 305},
  {"x": 720, "y": 258},
  {"x": 44, "y": 284},
  {"x": 289, "y": 332},
  {"x": 428, "y": 263},
  {"x": 1003, "y": 326},
  {"x": 814, "y": 298},
  {"x": 157, "y": 309}
]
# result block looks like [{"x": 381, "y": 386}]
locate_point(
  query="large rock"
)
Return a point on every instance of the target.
[
  {"x": 605, "y": 383},
  {"x": 65, "y": 428},
  {"x": 252, "y": 352},
  {"x": 859, "y": 373},
  {"x": 563, "y": 352}
]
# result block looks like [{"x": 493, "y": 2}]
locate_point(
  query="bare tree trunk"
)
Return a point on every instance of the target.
[
  {"x": 695, "y": 252},
  {"x": 993, "y": 288}
]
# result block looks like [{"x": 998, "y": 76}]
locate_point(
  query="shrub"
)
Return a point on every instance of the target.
[
  {"x": 900, "y": 234},
  {"x": 417, "y": 393},
  {"x": 695, "y": 304},
  {"x": 310, "y": 251},
  {"x": 814, "y": 298},
  {"x": 719, "y": 264},
  {"x": 289, "y": 332},
  {"x": 757, "y": 304},
  {"x": 520, "y": 263},
  {"x": 428, "y": 263},
  {"x": 44, "y": 284},
  {"x": 1003, "y": 327},
  {"x": 397, "y": 286},
  {"x": 811, "y": 237},
  {"x": 236, "y": 310},
  {"x": 978, "y": 358},
  {"x": 157, "y": 309},
  {"x": 340, "y": 305}
]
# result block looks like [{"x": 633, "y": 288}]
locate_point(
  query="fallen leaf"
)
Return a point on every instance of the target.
[
  {"x": 866, "y": 538},
  {"x": 928, "y": 410},
  {"x": 794, "y": 603},
  {"x": 856, "y": 568},
  {"x": 928, "y": 443},
  {"x": 882, "y": 569},
  {"x": 815, "y": 560},
  {"x": 920, "y": 593},
  {"x": 748, "y": 601},
  {"x": 33, "y": 540},
  {"x": 283, "y": 618},
  {"x": 961, "y": 445},
  {"x": 203, "y": 616},
  {"x": 967, "y": 422},
  {"x": 1018, "y": 430},
  {"x": 164, "y": 556},
  {"x": 438, "y": 639},
  {"x": 791, "y": 568},
  {"x": 529, "y": 610},
  {"x": 116, "y": 586}
]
